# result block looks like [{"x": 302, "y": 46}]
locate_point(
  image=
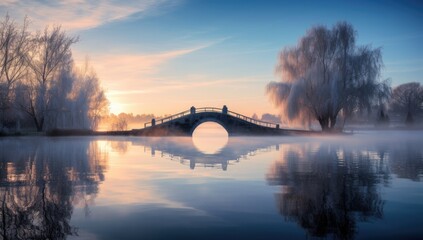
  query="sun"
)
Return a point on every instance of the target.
[{"x": 116, "y": 107}]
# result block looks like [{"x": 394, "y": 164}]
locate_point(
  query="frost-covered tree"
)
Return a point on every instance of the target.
[
  {"x": 14, "y": 47},
  {"x": 407, "y": 98},
  {"x": 77, "y": 100},
  {"x": 58, "y": 115},
  {"x": 50, "y": 54},
  {"x": 40, "y": 82},
  {"x": 326, "y": 73},
  {"x": 90, "y": 100}
]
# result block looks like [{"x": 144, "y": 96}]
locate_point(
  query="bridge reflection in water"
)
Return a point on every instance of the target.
[{"x": 185, "y": 151}]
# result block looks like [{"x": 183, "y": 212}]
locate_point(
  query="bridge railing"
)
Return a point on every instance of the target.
[
  {"x": 213, "y": 109},
  {"x": 168, "y": 118},
  {"x": 252, "y": 120},
  {"x": 208, "y": 109}
]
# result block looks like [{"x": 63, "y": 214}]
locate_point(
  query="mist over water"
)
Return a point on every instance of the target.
[{"x": 366, "y": 185}]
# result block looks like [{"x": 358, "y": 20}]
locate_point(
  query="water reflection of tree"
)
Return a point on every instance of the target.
[
  {"x": 326, "y": 190},
  {"x": 120, "y": 147},
  {"x": 40, "y": 183},
  {"x": 406, "y": 160}
]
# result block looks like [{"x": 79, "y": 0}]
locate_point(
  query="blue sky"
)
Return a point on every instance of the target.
[{"x": 164, "y": 56}]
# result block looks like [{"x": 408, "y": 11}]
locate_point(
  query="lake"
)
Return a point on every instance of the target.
[{"x": 362, "y": 186}]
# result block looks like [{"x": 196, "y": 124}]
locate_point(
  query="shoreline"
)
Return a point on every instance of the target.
[{"x": 136, "y": 132}]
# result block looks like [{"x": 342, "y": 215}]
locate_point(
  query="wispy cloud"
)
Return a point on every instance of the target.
[
  {"x": 404, "y": 70},
  {"x": 405, "y": 62},
  {"x": 168, "y": 86},
  {"x": 79, "y": 14},
  {"x": 172, "y": 95},
  {"x": 116, "y": 70},
  {"x": 190, "y": 83},
  {"x": 404, "y": 66},
  {"x": 133, "y": 67},
  {"x": 397, "y": 39}
]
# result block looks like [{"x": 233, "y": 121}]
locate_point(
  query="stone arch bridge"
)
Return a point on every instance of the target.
[{"x": 184, "y": 124}]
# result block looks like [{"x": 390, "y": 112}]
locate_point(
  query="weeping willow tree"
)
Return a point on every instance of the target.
[{"x": 326, "y": 73}]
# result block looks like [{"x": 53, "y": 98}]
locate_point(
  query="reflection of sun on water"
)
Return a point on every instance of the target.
[{"x": 210, "y": 138}]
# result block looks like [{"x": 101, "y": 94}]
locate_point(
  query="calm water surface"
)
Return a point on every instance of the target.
[{"x": 365, "y": 186}]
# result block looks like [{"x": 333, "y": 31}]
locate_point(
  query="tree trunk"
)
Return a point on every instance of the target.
[
  {"x": 324, "y": 123},
  {"x": 4, "y": 226},
  {"x": 409, "y": 120},
  {"x": 332, "y": 122},
  {"x": 39, "y": 124}
]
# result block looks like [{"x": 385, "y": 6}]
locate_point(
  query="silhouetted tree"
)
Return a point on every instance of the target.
[
  {"x": 407, "y": 98},
  {"x": 383, "y": 95},
  {"x": 324, "y": 74},
  {"x": 120, "y": 124}
]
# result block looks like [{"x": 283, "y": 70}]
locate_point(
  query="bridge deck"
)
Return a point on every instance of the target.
[
  {"x": 184, "y": 123},
  {"x": 212, "y": 110}
]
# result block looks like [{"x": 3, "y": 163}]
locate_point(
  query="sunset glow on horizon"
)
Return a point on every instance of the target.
[{"x": 162, "y": 57}]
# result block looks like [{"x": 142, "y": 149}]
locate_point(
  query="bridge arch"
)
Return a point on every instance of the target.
[{"x": 205, "y": 120}]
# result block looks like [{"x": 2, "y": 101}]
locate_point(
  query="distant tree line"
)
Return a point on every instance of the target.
[
  {"x": 407, "y": 99},
  {"x": 267, "y": 117},
  {"x": 40, "y": 86},
  {"x": 327, "y": 75},
  {"x": 124, "y": 121}
]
